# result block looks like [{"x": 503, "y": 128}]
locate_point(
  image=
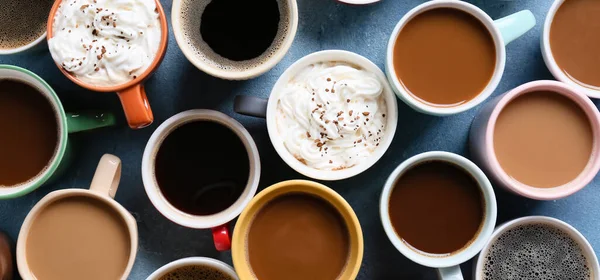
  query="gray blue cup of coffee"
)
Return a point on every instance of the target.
[{"x": 35, "y": 131}]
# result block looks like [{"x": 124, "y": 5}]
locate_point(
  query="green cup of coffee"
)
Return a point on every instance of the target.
[{"x": 34, "y": 131}]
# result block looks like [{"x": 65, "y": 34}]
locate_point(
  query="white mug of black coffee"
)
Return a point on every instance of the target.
[
  {"x": 438, "y": 209},
  {"x": 234, "y": 40},
  {"x": 194, "y": 268},
  {"x": 23, "y": 25},
  {"x": 200, "y": 169},
  {"x": 537, "y": 247}
]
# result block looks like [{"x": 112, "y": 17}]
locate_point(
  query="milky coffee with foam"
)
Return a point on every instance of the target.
[
  {"x": 535, "y": 251},
  {"x": 22, "y": 22}
]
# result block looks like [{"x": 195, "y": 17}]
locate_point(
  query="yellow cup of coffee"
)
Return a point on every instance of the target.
[{"x": 297, "y": 230}]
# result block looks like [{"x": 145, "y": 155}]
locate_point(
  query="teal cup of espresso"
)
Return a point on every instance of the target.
[{"x": 35, "y": 131}]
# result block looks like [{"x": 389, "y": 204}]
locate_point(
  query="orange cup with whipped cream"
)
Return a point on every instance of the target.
[{"x": 110, "y": 46}]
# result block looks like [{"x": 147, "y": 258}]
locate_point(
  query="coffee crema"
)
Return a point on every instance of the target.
[
  {"x": 23, "y": 21},
  {"x": 195, "y": 272},
  {"x": 574, "y": 41},
  {"x": 298, "y": 237},
  {"x": 535, "y": 251},
  {"x": 543, "y": 139},
  {"x": 444, "y": 57},
  {"x": 78, "y": 238},
  {"x": 202, "y": 167},
  {"x": 29, "y": 133},
  {"x": 436, "y": 197}
]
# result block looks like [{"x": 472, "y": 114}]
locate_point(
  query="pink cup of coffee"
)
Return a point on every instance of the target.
[{"x": 540, "y": 140}]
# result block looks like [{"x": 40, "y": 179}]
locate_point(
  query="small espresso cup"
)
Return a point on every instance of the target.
[
  {"x": 481, "y": 140},
  {"x": 219, "y": 222},
  {"x": 239, "y": 250},
  {"x": 185, "y": 19},
  {"x": 67, "y": 123},
  {"x": 102, "y": 190},
  {"x": 447, "y": 265},
  {"x": 503, "y": 31},
  {"x": 258, "y": 107},
  {"x": 587, "y": 250},
  {"x": 133, "y": 93},
  {"x": 194, "y": 261},
  {"x": 550, "y": 60}
]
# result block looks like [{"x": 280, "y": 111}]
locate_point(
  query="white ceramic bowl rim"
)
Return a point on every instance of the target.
[
  {"x": 591, "y": 169},
  {"x": 156, "y": 196},
  {"x": 563, "y": 226},
  {"x": 324, "y": 56},
  {"x": 180, "y": 37},
  {"x": 549, "y": 57},
  {"x": 219, "y": 265},
  {"x": 484, "y": 233},
  {"x": 492, "y": 84}
]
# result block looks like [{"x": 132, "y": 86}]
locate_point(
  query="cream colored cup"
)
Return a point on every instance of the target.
[
  {"x": 199, "y": 261},
  {"x": 102, "y": 189}
]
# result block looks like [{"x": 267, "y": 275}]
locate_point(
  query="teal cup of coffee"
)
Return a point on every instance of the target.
[{"x": 34, "y": 131}]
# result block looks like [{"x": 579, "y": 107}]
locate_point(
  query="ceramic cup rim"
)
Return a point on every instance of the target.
[
  {"x": 549, "y": 56},
  {"x": 214, "y": 263},
  {"x": 484, "y": 232},
  {"x": 293, "y": 70},
  {"x": 44, "y": 88},
  {"x": 26, "y": 47},
  {"x": 591, "y": 169},
  {"x": 479, "y": 14},
  {"x": 238, "y": 244},
  {"x": 254, "y": 72},
  {"x": 54, "y": 196},
  {"x": 161, "y": 203},
  {"x": 160, "y": 54},
  {"x": 553, "y": 222}
]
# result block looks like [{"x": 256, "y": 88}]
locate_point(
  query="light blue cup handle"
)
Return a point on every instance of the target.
[
  {"x": 513, "y": 26},
  {"x": 450, "y": 273}
]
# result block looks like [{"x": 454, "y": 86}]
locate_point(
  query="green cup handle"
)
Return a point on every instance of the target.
[
  {"x": 77, "y": 122},
  {"x": 513, "y": 26}
]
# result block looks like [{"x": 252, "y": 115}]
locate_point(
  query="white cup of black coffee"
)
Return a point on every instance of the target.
[
  {"x": 23, "y": 25},
  {"x": 537, "y": 247},
  {"x": 234, "y": 40}
]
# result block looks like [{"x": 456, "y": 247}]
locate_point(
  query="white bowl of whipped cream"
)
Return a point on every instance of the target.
[{"x": 330, "y": 116}]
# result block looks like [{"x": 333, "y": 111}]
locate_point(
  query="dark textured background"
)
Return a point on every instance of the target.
[{"x": 324, "y": 24}]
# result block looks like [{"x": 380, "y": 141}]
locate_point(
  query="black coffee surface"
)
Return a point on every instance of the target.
[
  {"x": 196, "y": 272},
  {"x": 202, "y": 167},
  {"x": 536, "y": 251},
  {"x": 240, "y": 29},
  {"x": 23, "y": 21},
  {"x": 28, "y": 132}
]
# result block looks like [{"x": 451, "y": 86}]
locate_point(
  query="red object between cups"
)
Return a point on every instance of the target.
[{"x": 222, "y": 238}]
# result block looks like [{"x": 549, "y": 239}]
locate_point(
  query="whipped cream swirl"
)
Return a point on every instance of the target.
[
  {"x": 106, "y": 42},
  {"x": 331, "y": 115}
]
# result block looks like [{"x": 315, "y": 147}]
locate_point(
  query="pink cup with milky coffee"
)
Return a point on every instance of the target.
[{"x": 540, "y": 140}]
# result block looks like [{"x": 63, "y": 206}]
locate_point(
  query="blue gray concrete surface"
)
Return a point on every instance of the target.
[{"x": 324, "y": 24}]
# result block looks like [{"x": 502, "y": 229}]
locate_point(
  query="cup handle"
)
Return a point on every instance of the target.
[
  {"x": 77, "y": 122},
  {"x": 450, "y": 273},
  {"x": 222, "y": 238},
  {"x": 136, "y": 106},
  {"x": 250, "y": 106},
  {"x": 513, "y": 26},
  {"x": 107, "y": 177}
]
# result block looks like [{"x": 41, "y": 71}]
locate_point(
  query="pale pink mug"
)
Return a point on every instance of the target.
[{"x": 481, "y": 140}]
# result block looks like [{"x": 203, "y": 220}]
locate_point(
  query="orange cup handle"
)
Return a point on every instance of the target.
[{"x": 136, "y": 106}]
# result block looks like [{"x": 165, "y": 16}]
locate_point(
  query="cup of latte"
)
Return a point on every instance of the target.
[
  {"x": 110, "y": 46},
  {"x": 537, "y": 247}
]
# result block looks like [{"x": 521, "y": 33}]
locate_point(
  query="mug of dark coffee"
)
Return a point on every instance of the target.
[
  {"x": 438, "y": 209},
  {"x": 200, "y": 169},
  {"x": 234, "y": 40}
]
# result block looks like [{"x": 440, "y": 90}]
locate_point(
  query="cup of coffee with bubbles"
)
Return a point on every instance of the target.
[
  {"x": 234, "y": 40},
  {"x": 194, "y": 268},
  {"x": 438, "y": 209},
  {"x": 537, "y": 247},
  {"x": 110, "y": 46},
  {"x": 445, "y": 57},
  {"x": 200, "y": 169},
  {"x": 23, "y": 25}
]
